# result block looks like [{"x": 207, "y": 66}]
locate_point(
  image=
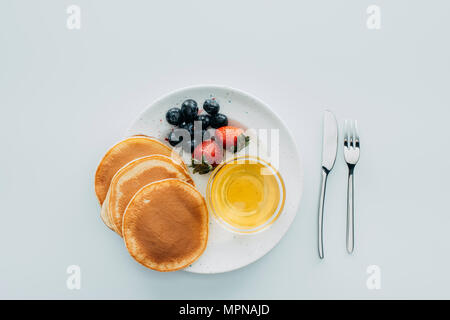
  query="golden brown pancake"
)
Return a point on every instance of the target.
[
  {"x": 104, "y": 214},
  {"x": 132, "y": 177},
  {"x": 165, "y": 225},
  {"x": 123, "y": 152}
]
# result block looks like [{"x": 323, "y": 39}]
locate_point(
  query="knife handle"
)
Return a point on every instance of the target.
[{"x": 323, "y": 187}]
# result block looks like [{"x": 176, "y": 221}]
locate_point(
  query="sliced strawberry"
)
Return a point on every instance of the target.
[
  {"x": 232, "y": 138},
  {"x": 206, "y": 156}
]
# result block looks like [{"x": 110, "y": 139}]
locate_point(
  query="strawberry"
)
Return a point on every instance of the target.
[
  {"x": 232, "y": 138},
  {"x": 206, "y": 156}
]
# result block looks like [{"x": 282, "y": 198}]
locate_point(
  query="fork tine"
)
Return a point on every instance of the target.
[
  {"x": 353, "y": 134},
  {"x": 356, "y": 134},
  {"x": 345, "y": 133},
  {"x": 350, "y": 133}
]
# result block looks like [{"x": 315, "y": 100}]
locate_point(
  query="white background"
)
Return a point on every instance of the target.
[{"x": 67, "y": 95}]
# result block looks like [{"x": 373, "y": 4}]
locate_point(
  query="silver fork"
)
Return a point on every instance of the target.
[{"x": 351, "y": 155}]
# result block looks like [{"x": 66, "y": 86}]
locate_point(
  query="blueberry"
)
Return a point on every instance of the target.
[
  {"x": 189, "y": 146},
  {"x": 189, "y": 110},
  {"x": 189, "y": 126},
  {"x": 219, "y": 120},
  {"x": 174, "y": 138},
  {"x": 174, "y": 116},
  {"x": 205, "y": 119},
  {"x": 211, "y": 106}
]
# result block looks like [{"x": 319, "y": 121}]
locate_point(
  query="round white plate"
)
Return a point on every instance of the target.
[{"x": 227, "y": 251}]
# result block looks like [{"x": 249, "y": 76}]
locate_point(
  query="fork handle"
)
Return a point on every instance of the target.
[
  {"x": 350, "y": 212},
  {"x": 323, "y": 187}
]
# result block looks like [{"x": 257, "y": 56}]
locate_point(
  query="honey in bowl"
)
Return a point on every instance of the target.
[{"x": 245, "y": 194}]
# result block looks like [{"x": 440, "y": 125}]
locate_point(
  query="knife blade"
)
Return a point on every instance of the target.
[
  {"x": 329, "y": 151},
  {"x": 330, "y": 140}
]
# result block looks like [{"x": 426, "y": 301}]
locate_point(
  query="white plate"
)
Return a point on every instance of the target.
[{"x": 227, "y": 251}]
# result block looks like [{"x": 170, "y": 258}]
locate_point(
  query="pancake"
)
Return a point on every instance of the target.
[
  {"x": 165, "y": 225},
  {"x": 104, "y": 214},
  {"x": 123, "y": 152},
  {"x": 132, "y": 177}
]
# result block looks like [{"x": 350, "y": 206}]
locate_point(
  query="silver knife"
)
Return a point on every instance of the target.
[{"x": 329, "y": 150}]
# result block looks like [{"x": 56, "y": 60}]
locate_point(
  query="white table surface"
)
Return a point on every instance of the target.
[{"x": 67, "y": 95}]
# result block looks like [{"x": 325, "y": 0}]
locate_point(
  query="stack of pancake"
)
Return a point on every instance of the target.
[{"x": 149, "y": 199}]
